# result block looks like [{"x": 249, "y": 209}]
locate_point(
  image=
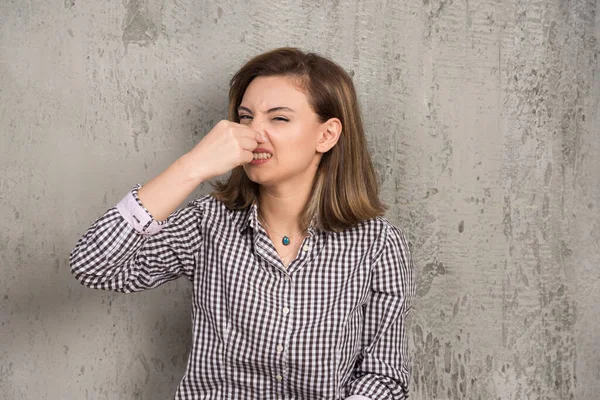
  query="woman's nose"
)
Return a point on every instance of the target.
[{"x": 259, "y": 125}]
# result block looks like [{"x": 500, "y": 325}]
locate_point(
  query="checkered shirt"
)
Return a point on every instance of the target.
[{"x": 332, "y": 325}]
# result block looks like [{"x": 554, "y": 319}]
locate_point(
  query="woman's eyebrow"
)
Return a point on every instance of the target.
[{"x": 271, "y": 110}]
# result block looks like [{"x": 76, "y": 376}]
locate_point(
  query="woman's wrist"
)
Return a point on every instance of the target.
[{"x": 193, "y": 170}]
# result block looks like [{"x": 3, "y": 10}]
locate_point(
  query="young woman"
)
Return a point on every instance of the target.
[{"x": 301, "y": 286}]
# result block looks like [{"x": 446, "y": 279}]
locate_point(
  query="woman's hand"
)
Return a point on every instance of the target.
[{"x": 225, "y": 147}]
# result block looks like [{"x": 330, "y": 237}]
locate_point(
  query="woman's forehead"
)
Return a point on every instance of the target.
[{"x": 267, "y": 92}]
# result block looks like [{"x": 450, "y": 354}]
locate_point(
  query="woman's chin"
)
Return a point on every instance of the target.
[{"x": 253, "y": 175}]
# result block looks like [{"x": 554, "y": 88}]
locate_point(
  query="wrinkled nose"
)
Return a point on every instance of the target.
[{"x": 259, "y": 125}]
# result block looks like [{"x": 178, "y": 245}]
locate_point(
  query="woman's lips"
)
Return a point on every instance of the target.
[
  {"x": 265, "y": 155},
  {"x": 262, "y": 150}
]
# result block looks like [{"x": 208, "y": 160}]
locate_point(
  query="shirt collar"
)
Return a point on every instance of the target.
[
  {"x": 249, "y": 217},
  {"x": 246, "y": 216}
]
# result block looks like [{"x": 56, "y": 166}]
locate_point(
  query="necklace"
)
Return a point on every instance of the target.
[
  {"x": 284, "y": 256},
  {"x": 285, "y": 240}
]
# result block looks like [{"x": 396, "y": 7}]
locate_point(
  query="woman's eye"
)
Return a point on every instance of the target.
[{"x": 249, "y": 117}]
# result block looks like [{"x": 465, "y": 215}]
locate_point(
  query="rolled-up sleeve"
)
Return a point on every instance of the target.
[
  {"x": 383, "y": 368},
  {"x": 126, "y": 250}
]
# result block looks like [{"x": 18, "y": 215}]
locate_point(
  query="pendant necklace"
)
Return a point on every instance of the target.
[{"x": 285, "y": 240}]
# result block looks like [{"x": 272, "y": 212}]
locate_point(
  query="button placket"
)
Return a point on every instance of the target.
[{"x": 283, "y": 346}]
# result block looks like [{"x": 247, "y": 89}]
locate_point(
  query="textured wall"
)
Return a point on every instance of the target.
[{"x": 483, "y": 117}]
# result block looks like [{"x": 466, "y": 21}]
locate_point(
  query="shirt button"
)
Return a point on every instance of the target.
[
  {"x": 279, "y": 378},
  {"x": 279, "y": 348},
  {"x": 305, "y": 248},
  {"x": 287, "y": 278},
  {"x": 286, "y": 310}
]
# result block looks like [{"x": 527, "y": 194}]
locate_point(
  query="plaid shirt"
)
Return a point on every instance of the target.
[{"x": 330, "y": 325}]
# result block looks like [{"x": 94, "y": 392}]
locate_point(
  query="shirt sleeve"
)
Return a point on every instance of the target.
[
  {"x": 126, "y": 250},
  {"x": 382, "y": 370}
]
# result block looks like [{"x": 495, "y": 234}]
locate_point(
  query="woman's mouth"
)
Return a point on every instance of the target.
[{"x": 261, "y": 158}]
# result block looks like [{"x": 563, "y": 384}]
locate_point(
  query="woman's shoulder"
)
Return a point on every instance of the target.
[
  {"x": 211, "y": 206},
  {"x": 378, "y": 231},
  {"x": 373, "y": 236},
  {"x": 380, "y": 226},
  {"x": 390, "y": 227},
  {"x": 205, "y": 202},
  {"x": 390, "y": 237}
]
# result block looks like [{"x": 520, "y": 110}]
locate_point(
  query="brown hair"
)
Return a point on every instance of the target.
[{"x": 345, "y": 188}]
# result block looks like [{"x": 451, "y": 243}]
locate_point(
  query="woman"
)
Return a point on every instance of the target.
[{"x": 301, "y": 287}]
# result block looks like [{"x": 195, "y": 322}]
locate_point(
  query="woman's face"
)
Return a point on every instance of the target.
[{"x": 276, "y": 107}]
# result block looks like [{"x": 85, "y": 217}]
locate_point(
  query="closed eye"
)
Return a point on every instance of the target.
[{"x": 249, "y": 117}]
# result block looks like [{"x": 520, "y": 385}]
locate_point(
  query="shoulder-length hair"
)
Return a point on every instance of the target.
[{"x": 345, "y": 190}]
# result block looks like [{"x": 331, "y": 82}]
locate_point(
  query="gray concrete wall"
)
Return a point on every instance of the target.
[{"x": 483, "y": 117}]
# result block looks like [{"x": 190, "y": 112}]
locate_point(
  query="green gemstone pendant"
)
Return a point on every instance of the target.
[{"x": 285, "y": 240}]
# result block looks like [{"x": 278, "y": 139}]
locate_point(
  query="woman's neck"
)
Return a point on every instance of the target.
[{"x": 280, "y": 207}]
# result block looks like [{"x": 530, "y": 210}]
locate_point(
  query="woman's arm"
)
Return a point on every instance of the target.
[
  {"x": 142, "y": 242},
  {"x": 163, "y": 194},
  {"x": 383, "y": 371},
  {"x": 225, "y": 147},
  {"x": 126, "y": 250}
]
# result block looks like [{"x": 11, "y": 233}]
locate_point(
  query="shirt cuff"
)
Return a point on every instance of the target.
[
  {"x": 134, "y": 212},
  {"x": 357, "y": 397}
]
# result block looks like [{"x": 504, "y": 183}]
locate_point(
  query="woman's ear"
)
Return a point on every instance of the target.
[{"x": 329, "y": 134}]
